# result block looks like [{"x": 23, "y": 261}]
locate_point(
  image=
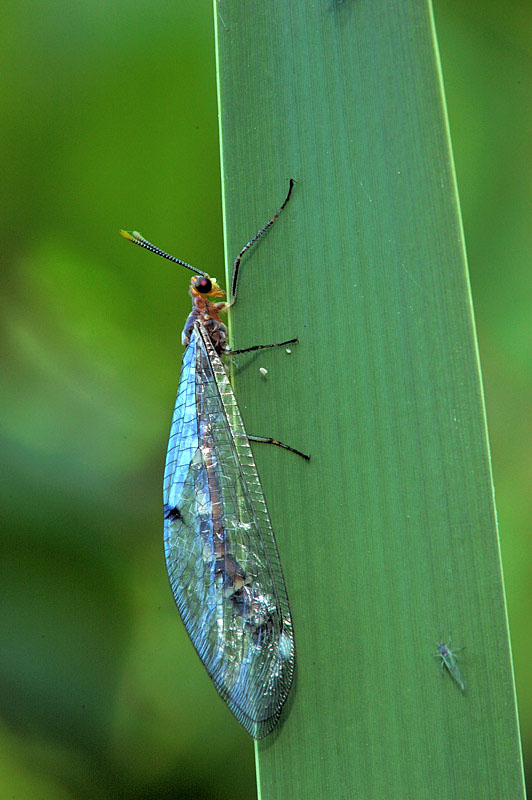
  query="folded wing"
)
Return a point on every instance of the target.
[{"x": 220, "y": 549}]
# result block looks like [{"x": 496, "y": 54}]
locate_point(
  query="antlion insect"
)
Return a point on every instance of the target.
[
  {"x": 221, "y": 555},
  {"x": 448, "y": 659}
]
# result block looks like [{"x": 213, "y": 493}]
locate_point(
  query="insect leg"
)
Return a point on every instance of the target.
[
  {"x": 269, "y": 440},
  {"x": 259, "y": 347},
  {"x": 238, "y": 259}
]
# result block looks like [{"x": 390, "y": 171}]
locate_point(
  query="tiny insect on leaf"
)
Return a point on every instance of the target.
[{"x": 449, "y": 660}]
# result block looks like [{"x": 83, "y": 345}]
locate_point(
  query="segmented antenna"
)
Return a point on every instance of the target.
[{"x": 138, "y": 238}]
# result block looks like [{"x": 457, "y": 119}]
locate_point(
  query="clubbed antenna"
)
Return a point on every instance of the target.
[{"x": 138, "y": 238}]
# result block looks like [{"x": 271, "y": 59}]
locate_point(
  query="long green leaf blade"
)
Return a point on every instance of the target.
[{"x": 388, "y": 538}]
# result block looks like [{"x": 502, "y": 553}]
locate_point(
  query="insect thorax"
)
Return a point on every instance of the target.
[{"x": 208, "y": 318}]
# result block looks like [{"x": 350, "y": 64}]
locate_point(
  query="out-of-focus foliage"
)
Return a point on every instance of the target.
[{"x": 108, "y": 121}]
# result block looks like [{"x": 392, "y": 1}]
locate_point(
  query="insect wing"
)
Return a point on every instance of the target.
[
  {"x": 454, "y": 670},
  {"x": 220, "y": 550}
]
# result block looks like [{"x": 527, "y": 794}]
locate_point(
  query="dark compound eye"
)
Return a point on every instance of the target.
[{"x": 203, "y": 285}]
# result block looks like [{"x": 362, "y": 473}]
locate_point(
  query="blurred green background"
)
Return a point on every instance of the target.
[{"x": 109, "y": 120}]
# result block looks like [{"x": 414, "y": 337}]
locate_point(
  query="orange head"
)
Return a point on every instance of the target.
[{"x": 203, "y": 286}]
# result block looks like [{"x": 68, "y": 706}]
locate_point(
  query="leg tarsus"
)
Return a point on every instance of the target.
[
  {"x": 269, "y": 440},
  {"x": 260, "y": 347}
]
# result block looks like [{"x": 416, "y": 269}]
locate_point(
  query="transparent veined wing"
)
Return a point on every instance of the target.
[{"x": 220, "y": 549}]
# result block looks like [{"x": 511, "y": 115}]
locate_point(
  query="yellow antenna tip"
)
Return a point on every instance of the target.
[{"x": 132, "y": 236}]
